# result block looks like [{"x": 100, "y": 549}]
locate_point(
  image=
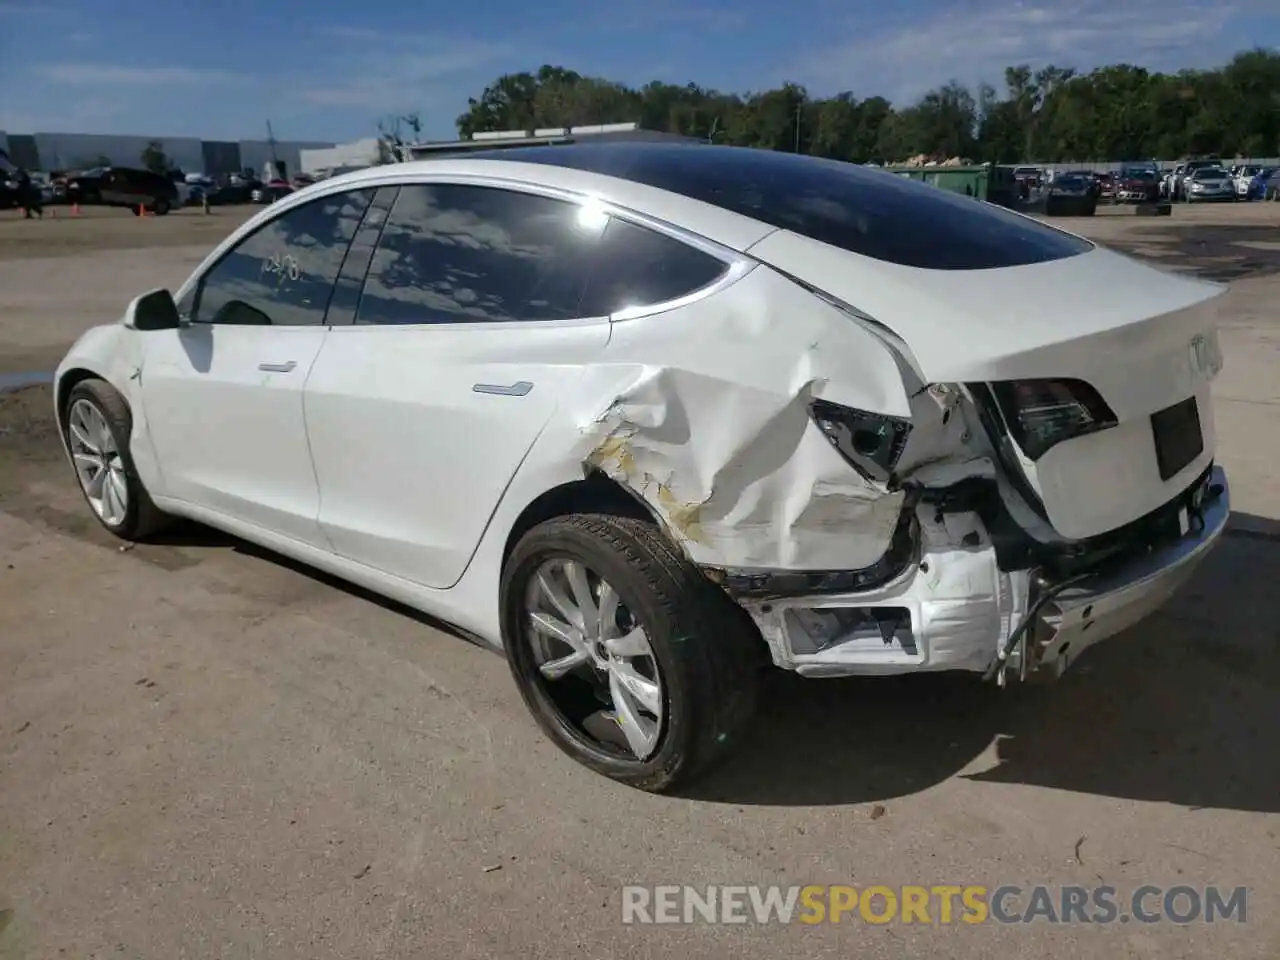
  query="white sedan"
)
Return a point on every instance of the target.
[{"x": 652, "y": 418}]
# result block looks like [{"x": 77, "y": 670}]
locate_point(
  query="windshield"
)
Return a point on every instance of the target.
[{"x": 1209, "y": 173}]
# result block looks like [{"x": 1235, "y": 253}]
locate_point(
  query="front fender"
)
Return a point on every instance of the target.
[{"x": 113, "y": 353}]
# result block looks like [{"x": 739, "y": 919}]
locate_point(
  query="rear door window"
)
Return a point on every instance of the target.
[{"x": 451, "y": 253}]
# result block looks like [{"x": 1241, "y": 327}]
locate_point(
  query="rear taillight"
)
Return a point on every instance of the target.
[
  {"x": 1041, "y": 414},
  {"x": 870, "y": 442}
]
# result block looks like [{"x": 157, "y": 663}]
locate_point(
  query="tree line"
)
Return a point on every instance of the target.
[{"x": 1049, "y": 115}]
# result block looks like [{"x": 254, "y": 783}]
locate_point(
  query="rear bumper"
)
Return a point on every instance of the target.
[
  {"x": 954, "y": 608},
  {"x": 1105, "y": 605}
]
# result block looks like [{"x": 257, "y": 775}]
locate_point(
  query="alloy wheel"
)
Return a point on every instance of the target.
[
  {"x": 99, "y": 466},
  {"x": 594, "y": 658}
]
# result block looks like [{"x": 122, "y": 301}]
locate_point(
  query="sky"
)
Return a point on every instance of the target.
[{"x": 330, "y": 69}]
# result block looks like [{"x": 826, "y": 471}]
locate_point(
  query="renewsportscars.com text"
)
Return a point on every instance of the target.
[{"x": 931, "y": 905}]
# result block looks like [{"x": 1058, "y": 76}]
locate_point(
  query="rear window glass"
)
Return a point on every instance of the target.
[
  {"x": 636, "y": 267},
  {"x": 859, "y": 209}
]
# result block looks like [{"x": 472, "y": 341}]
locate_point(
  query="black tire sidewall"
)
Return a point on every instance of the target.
[
  {"x": 90, "y": 390},
  {"x": 680, "y": 708}
]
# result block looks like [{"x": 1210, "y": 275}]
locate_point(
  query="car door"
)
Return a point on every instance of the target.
[
  {"x": 468, "y": 331},
  {"x": 223, "y": 393}
]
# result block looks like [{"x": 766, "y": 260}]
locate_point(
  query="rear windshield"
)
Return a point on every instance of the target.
[{"x": 860, "y": 209}]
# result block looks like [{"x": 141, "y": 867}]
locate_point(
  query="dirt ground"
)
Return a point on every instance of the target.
[{"x": 206, "y": 751}]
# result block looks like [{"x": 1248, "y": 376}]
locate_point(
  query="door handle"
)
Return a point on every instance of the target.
[
  {"x": 520, "y": 388},
  {"x": 285, "y": 367}
]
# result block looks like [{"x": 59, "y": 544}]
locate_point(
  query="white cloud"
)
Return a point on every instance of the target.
[
  {"x": 393, "y": 72},
  {"x": 101, "y": 75},
  {"x": 904, "y": 60}
]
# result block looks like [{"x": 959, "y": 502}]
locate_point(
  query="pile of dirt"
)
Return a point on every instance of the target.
[{"x": 933, "y": 160}]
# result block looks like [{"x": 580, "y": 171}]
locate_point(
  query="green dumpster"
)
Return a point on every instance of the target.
[{"x": 982, "y": 181}]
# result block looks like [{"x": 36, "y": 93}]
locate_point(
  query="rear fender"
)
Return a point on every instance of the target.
[{"x": 722, "y": 446}]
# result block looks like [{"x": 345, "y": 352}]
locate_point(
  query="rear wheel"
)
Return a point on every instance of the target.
[
  {"x": 97, "y": 425},
  {"x": 161, "y": 207},
  {"x": 629, "y": 659}
]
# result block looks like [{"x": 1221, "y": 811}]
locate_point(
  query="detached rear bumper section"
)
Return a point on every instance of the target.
[{"x": 952, "y": 605}]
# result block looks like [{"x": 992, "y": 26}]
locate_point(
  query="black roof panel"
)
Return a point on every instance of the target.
[{"x": 860, "y": 209}]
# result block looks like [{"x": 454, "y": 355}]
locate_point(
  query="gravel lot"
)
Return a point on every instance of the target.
[{"x": 206, "y": 751}]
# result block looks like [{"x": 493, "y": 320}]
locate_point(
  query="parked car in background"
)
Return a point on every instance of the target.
[
  {"x": 233, "y": 190},
  {"x": 1137, "y": 185},
  {"x": 1027, "y": 179},
  {"x": 1071, "y": 194},
  {"x": 1073, "y": 176},
  {"x": 1105, "y": 186},
  {"x": 271, "y": 191},
  {"x": 1242, "y": 178},
  {"x": 1177, "y": 179},
  {"x": 85, "y": 186},
  {"x": 8, "y": 192},
  {"x": 1209, "y": 183},
  {"x": 138, "y": 190},
  {"x": 1261, "y": 182}
]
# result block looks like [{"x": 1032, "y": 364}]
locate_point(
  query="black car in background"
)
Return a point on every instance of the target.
[
  {"x": 138, "y": 190},
  {"x": 124, "y": 187}
]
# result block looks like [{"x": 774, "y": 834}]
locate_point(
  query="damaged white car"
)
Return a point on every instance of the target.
[{"x": 653, "y": 417}]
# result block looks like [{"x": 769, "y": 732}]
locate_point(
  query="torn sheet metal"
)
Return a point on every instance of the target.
[
  {"x": 739, "y": 476},
  {"x": 723, "y": 447},
  {"x": 952, "y": 610}
]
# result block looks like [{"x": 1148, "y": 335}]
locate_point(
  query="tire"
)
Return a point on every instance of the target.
[
  {"x": 705, "y": 649},
  {"x": 161, "y": 207},
  {"x": 141, "y": 518}
]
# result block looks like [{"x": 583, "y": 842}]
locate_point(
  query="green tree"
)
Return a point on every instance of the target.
[
  {"x": 154, "y": 158},
  {"x": 1118, "y": 112}
]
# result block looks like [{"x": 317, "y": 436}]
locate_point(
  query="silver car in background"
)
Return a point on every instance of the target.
[{"x": 1209, "y": 183}]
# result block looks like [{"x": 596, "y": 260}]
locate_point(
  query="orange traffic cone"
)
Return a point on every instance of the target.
[
  {"x": 142, "y": 210},
  {"x": 75, "y": 209}
]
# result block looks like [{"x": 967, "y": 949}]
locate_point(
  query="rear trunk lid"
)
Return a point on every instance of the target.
[{"x": 1144, "y": 339}]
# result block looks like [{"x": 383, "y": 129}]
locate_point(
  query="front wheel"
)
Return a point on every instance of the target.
[
  {"x": 630, "y": 660},
  {"x": 97, "y": 425},
  {"x": 161, "y": 207}
]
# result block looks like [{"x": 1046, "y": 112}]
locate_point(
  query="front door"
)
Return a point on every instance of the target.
[{"x": 223, "y": 394}]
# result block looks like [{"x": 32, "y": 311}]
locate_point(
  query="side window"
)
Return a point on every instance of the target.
[
  {"x": 460, "y": 254},
  {"x": 283, "y": 273},
  {"x": 638, "y": 267}
]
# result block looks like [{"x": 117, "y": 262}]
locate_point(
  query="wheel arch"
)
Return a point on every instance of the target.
[
  {"x": 594, "y": 493},
  {"x": 66, "y": 382}
]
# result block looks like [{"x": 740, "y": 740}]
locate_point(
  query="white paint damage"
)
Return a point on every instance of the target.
[
  {"x": 742, "y": 478},
  {"x": 723, "y": 447},
  {"x": 724, "y": 450}
]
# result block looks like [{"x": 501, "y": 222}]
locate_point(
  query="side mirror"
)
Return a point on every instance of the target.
[{"x": 153, "y": 311}]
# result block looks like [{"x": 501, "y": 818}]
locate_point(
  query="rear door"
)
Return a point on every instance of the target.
[{"x": 469, "y": 328}]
